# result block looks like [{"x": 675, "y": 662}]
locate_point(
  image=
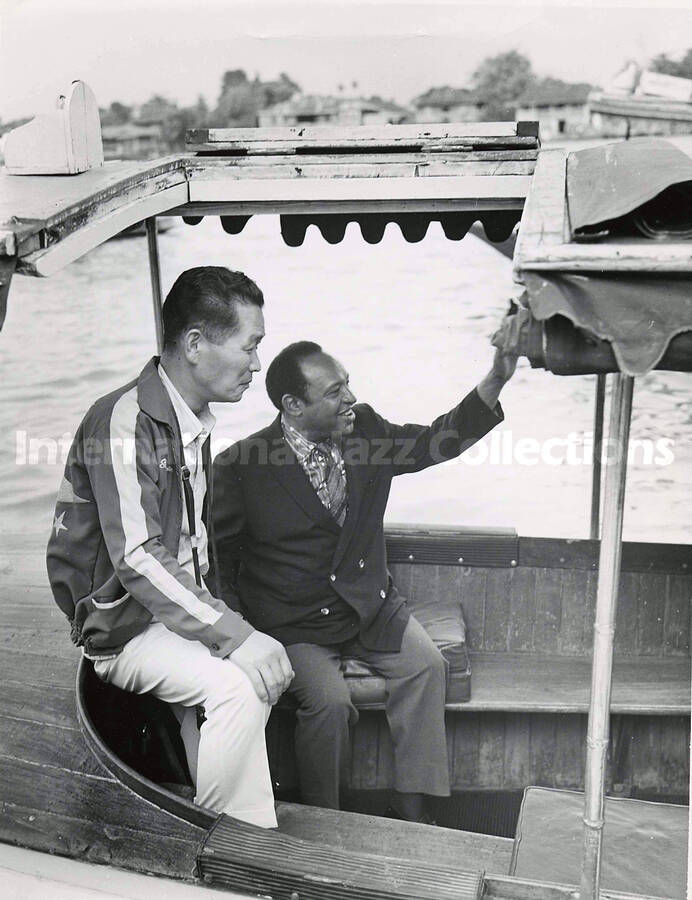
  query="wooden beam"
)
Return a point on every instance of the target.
[
  {"x": 373, "y": 834},
  {"x": 52, "y": 259},
  {"x": 641, "y": 108},
  {"x": 433, "y": 136},
  {"x": 253, "y": 168},
  {"x": 378, "y": 158},
  {"x": 46, "y": 201},
  {"x": 631, "y": 255},
  {"x": 216, "y": 187},
  {"x": 383, "y": 133},
  {"x": 301, "y": 148},
  {"x": 637, "y": 556},
  {"x": 354, "y": 207},
  {"x": 543, "y": 220}
]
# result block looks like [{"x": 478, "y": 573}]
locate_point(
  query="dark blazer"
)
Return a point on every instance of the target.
[{"x": 295, "y": 560}]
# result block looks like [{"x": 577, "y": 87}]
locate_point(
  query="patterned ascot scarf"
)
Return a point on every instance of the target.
[{"x": 324, "y": 466}]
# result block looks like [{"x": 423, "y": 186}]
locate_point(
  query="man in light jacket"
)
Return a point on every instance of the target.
[{"x": 128, "y": 548}]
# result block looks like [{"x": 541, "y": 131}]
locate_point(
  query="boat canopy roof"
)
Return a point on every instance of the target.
[
  {"x": 605, "y": 254},
  {"x": 607, "y": 278},
  {"x": 411, "y": 174}
]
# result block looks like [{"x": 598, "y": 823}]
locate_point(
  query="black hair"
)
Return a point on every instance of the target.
[
  {"x": 285, "y": 373},
  {"x": 207, "y": 297}
]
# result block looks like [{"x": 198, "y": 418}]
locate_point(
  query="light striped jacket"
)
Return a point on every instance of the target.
[{"x": 112, "y": 554}]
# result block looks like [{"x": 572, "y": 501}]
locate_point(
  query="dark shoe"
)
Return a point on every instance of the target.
[{"x": 424, "y": 819}]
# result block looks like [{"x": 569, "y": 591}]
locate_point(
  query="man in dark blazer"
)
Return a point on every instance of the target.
[{"x": 301, "y": 505}]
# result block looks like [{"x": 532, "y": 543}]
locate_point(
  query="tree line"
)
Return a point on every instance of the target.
[{"x": 497, "y": 83}]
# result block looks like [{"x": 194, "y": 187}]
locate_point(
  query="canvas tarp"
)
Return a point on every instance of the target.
[
  {"x": 607, "y": 182},
  {"x": 638, "y": 315}
]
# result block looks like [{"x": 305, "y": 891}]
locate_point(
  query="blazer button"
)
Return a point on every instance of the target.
[
  {"x": 325, "y": 610},
  {"x": 332, "y": 577},
  {"x": 361, "y": 563},
  {"x": 383, "y": 594},
  {"x": 214, "y": 647}
]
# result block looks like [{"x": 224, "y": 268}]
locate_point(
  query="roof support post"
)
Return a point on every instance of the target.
[
  {"x": 596, "y": 467},
  {"x": 155, "y": 275},
  {"x": 604, "y": 631}
]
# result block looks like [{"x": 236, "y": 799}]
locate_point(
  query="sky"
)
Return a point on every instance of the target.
[{"x": 127, "y": 50}]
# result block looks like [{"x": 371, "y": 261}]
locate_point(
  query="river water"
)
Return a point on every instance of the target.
[{"x": 411, "y": 322}]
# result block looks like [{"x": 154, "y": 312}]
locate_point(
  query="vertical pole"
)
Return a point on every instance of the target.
[
  {"x": 596, "y": 468},
  {"x": 155, "y": 275},
  {"x": 604, "y": 630}
]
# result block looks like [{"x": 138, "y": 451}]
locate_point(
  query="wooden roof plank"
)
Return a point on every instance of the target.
[
  {"x": 304, "y": 147},
  {"x": 48, "y": 221},
  {"x": 635, "y": 255},
  {"x": 375, "y": 158},
  {"x": 641, "y": 108},
  {"x": 49, "y": 199},
  {"x": 543, "y": 220},
  {"x": 357, "y": 134},
  {"x": 333, "y": 167}
]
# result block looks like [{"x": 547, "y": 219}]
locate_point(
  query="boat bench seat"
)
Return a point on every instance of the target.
[
  {"x": 528, "y": 609},
  {"x": 514, "y": 617},
  {"x": 443, "y": 619},
  {"x": 534, "y": 683}
]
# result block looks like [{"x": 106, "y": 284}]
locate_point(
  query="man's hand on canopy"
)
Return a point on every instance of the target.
[
  {"x": 506, "y": 340},
  {"x": 504, "y": 365}
]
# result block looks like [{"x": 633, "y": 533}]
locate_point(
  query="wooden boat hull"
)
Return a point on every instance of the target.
[{"x": 511, "y": 733}]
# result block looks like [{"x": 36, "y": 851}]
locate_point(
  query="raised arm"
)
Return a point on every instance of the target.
[{"x": 417, "y": 447}]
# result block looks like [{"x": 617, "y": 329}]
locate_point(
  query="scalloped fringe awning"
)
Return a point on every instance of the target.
[{"x": 498, "y": 225}]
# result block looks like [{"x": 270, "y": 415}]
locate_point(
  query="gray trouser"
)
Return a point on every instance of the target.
[{"x": 415, "y": 686}]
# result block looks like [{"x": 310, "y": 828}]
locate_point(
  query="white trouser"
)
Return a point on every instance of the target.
[{"x": 232, "y": 771}]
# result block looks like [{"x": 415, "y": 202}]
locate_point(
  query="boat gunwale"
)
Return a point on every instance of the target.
[{"x": 137, "y": 783}]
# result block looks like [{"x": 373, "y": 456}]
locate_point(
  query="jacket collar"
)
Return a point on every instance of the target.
[
  {"x": 191, "y": 425},
  {"x": 289, "y": 473},
  {"x": 152, "y": 396}
]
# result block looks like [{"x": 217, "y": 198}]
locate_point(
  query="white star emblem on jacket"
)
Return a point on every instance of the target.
[{"x": 57, "y": 524}]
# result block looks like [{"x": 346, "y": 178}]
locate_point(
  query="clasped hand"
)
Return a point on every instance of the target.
[{"x": 266, "y": 663}]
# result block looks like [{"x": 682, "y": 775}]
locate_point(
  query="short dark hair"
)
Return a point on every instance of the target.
[
  {"x": 207, "y": 297},
  {"x": 285, "y": 373}
]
